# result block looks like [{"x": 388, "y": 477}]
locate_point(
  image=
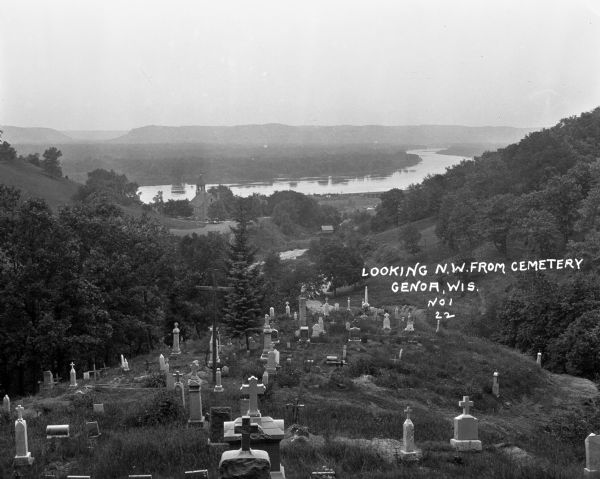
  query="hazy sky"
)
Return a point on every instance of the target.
[{"x": 124, "y": 64}]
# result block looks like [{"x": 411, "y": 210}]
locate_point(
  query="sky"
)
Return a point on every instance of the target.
[{"x": 117, "y": 65}]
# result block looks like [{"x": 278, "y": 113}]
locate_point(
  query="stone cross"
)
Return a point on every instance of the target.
[
  {"x": 466, "y": 404},
  {"x": 177, "y": 376},
  {"x": 20, "y": 410},
  {"x": 408, "y": 410},
  {"x": 246, "y": 429},
  {"x": 253, "y": 389}
]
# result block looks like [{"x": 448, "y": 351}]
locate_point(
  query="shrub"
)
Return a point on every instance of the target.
[
  {"x": 155, "y": 380},
  {"x": 164, "y": 407}
]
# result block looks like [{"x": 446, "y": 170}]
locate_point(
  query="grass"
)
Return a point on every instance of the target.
[{"x": 144, "y": 430}]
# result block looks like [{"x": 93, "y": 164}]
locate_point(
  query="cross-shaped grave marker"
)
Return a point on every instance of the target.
[
  {"x": 295, "y": 407},
  {"x": 466, "y": 404},
  {"x": 246, "y": 429},
  {"x": 20, "y": 410},
  {"x": 177, "y": 376},
  {"x": 253, "y": 389}
]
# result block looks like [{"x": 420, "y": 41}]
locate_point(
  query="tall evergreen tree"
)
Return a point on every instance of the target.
[{"x": 242, "y": 310}]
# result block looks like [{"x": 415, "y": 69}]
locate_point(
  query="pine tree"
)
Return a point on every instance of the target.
[{"x": 242, "y": 310}]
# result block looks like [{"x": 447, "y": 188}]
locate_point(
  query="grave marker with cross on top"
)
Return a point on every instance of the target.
[
  {"x": 465, "y": 429},
  {"x": 253, "y": 389}
]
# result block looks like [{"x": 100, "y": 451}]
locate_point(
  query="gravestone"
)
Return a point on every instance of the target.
[
  {"x": 253, "y": 389},
  {"x": 98, "y": 408},
  {"x": 302, "y": 309},
  {"x": 410, "y": 324},
  {"x": 267, "y": 340},
  {"x": 592, "y": 456},
  {"x": 408, "y": 451},
  {"x": 265, "y": 378},
  {"x": 336, "y": 307},
  {"x": 348, "y": 325},
  {"x": 218, "y": 386},
  {"x": 496, "y": 385},
  {"x": 170, "y": 381},
  {"x": 86, "y": 375},
  {"x": 218, "y": 417},
  {"x": 48, "y": 380},
  {"x": 287, "y": 309},
  {"x": 6, "y": 404},
  {"x": 539, "y": 359},
  {"x": 225, "y": 370},
  {"x": 194, "y": 386},
  {"x": 178, "y": 387},
  {"x": 162, "y": 365},
  {"x": 245, "y": 463},
  {"x": 365, "y": 303},
  {"x": 92, "y": 430},
  {"x": 210, "y": 347},
  {"x": 272, "y": 312},
  {"x": 323, "y": 473},
  {"x": 73, "y": 376},
  {"x": 465, "y": 429},
  {"x": 326, "y": 307},
  {"x": 386, "y": 323},
  {"x": 316, "y": 330},
  {"x": 176, "y": 349},
  {"x": 57, "y": 431},
  {"x": 304, "y": 334},
  {"x": 295, "y": 316},
  {"x": 437, "y": 329},
  {"x": 274, "y": 336},
  {"x": 396, "y": 313},
  {"x": 348, "y": 307},
  {"x": 23, "y": 456},
  {"x": 354, "y": 335},
  {"x": 344, "y": 352},
  {"x": 198, "y": 474}
]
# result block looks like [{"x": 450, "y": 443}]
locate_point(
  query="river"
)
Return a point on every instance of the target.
[{"x": 431, "y": 163}]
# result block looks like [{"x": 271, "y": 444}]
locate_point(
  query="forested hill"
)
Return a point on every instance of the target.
[
  {"x": 277, "y": 134},
  {"x": 539, "y": 198}
]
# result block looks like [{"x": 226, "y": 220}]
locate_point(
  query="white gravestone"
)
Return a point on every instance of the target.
[
  {"x": 195, "y": 399},
  {"x": 176, "y": 350},
  {"x": 287, "y": 309},
  {"x": 6, "y": 404},
  {"x": 386, "y": 323},
  {"x": 73, "y": 376},
  {"x": 496, "y": 385},
  {"x": 539, "y": 359},
  {"x": 23, "y": 456},
  {"x": 465, "y": 429},
  {"x": 592, "y": 456},
  {"x": 162, "y": 365},
  {"x": 408, "y": 451},
  {"x": 218, "y": 386},
  {"x": 253, "y": 389}
]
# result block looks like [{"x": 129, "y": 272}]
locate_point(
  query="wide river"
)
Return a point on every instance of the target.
[{"x": 431, "y": 163}]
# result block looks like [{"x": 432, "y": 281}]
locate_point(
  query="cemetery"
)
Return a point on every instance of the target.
[{"x": 350, "y": 402}]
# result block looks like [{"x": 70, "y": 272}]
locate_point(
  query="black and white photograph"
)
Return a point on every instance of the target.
[{"x": 284, "y": 239}]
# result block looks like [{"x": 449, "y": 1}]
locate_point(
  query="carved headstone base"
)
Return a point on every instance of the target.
[{"x": 472, "y": 445}]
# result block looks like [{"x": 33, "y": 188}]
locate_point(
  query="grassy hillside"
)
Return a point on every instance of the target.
[
  {"x": 534, "y": 430},
  {"x": 32, "y": 181}
]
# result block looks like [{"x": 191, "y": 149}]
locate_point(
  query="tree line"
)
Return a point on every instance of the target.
[{"x": 538, "y": 198}]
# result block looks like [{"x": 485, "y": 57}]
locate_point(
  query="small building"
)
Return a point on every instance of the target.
[
  {"x": 201, "y": 201},
  {"x": 326, "y": 229}
]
